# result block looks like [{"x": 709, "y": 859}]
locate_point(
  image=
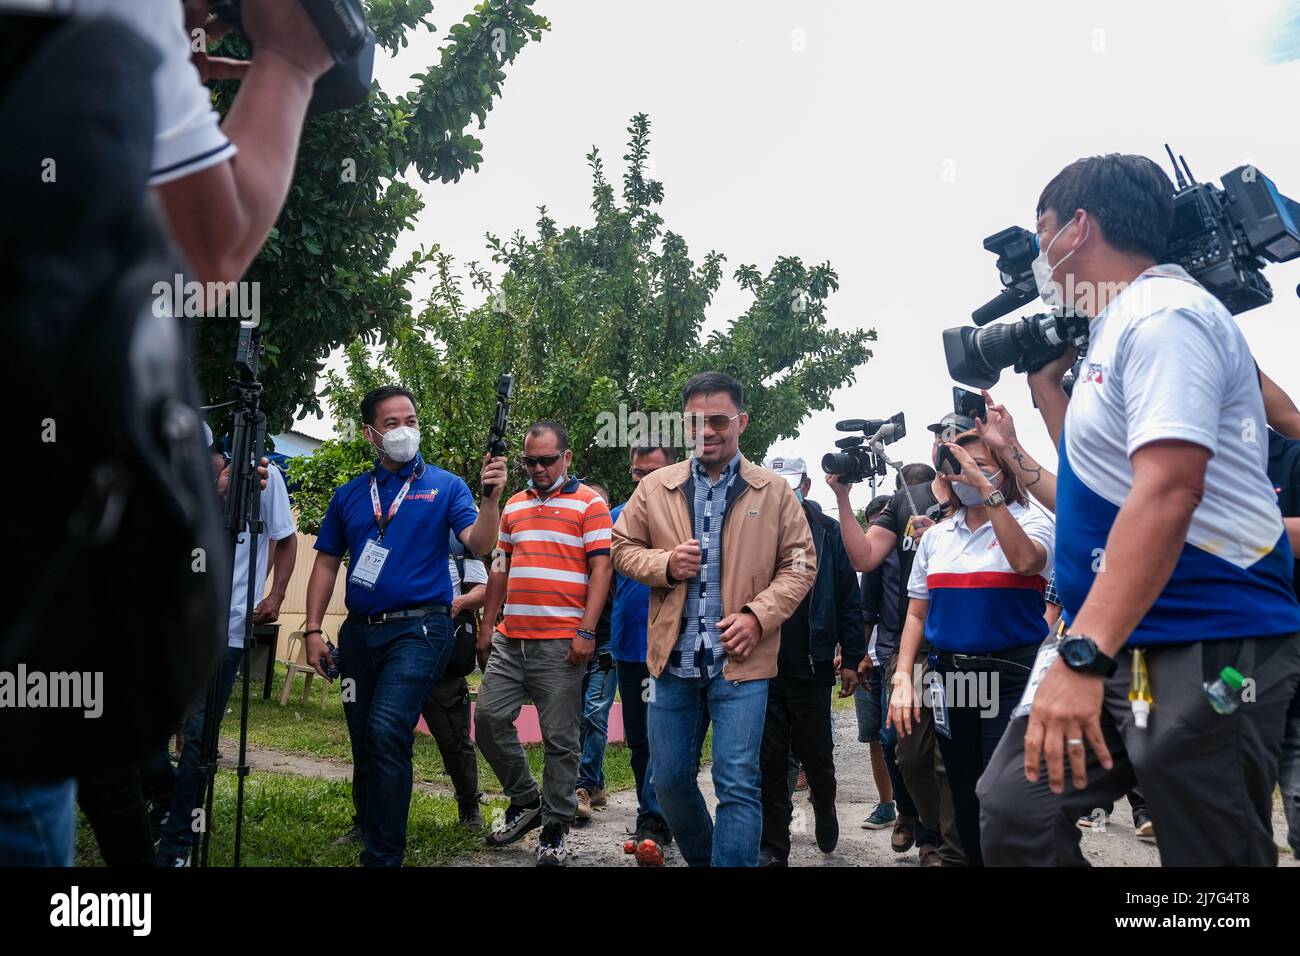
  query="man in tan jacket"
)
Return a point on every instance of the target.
[{"x": 728, "y": 555}]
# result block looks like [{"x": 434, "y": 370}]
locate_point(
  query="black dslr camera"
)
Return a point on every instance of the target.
[
  {"x": 343, "y": 29},
  {"x": 1222, "y": 237},
  {"x": 857, "y": 458}
]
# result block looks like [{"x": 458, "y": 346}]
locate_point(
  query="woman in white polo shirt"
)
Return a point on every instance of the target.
[{"x": 977, "y": 596}]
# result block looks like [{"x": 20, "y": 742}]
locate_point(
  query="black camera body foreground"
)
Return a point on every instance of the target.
[
  {"x": 343, "y": 29},
  {"x": 1223, "y": 238},
  {"x": 857, "y": 459}
]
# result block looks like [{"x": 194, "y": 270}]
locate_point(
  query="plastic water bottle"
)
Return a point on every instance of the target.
[{"x": 1224, "y": 693}]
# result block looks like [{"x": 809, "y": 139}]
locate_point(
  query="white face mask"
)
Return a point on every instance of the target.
[
  {"x": 402, "y": 443},
  {"x": 1049, "y": 290},
  {"x": 969, "y": 495}
]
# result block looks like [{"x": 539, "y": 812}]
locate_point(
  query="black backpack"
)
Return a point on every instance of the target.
[{"x": 125, "y": 569}]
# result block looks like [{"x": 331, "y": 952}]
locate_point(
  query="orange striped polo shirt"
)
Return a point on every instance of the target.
[{"x": 550, "y": 542}]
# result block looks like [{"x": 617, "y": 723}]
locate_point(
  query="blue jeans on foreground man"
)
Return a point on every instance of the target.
[
  {"x": 393, "y": 666},
  {"x": 680, "y": 709},
  {"x": 598, "y": 689},
  {"x": 37, "y": 823},
  {"x": 177, "y": 835}
]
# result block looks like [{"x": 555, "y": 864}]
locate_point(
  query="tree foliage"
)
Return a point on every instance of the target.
[
  {"x": 326, "y": 275},
  {"x": 589, "y": 319}
]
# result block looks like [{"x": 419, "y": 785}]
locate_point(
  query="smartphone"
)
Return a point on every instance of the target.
[
  {"x": 946, "y": 462},
  {"x": 968, "y": 403}
]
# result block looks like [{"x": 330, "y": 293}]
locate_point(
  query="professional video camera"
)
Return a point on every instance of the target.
[
  {"x": 343, "y": 29},
  {"x": 1222, "y": 237},
  {"x": 858, "y": 457}
]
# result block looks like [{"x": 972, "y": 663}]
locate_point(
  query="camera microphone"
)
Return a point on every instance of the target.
[{"x": 1006, "y": 301}]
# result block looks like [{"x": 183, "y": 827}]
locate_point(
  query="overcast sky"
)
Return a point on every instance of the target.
[{"x": 887, "y": 139}]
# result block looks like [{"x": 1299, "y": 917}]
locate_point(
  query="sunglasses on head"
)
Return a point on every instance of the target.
[
  {"x": 719, "y": 423},
  {"x": 545, "y": 461}
]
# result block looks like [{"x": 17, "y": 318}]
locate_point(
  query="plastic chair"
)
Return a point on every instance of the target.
[{"x": 297, "y": 664}]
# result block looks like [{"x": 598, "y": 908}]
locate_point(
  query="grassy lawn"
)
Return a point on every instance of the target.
[
  {"x": 307, "y": 729},
  {"x": 293, "y": 821}
]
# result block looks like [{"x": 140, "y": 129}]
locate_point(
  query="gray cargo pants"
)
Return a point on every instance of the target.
[{"x": 516, "y": 671}]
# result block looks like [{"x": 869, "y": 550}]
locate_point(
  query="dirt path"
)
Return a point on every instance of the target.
[{"x": 600, "y": 843}]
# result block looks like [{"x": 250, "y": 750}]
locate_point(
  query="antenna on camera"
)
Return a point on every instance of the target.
[{"x": 1178, "y": 173}]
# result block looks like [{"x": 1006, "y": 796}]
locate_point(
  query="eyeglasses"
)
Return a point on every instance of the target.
[
  {"x": 693, "y": 421},
  {"x": 545, "y": 461}
]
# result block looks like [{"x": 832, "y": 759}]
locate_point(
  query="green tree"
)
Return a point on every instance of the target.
[
  {"x": 326, "y": 275},
  {"x": 589, "y": 319}
]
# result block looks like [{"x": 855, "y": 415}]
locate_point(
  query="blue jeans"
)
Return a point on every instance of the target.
[
  {"x": 37, "y": 823},
  {"x": 598, "y": 689},
  {"x": 680, "y": 709},
  {"x": 391, "y": 667},
  {"x": 178, "y": 834}
]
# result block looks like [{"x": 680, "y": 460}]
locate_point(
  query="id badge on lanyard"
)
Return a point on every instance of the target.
[{"x": 367, "y": 567}]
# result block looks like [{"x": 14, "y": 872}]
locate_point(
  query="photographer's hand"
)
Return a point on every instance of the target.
[
  {"x": 997, "y": 429},
  {"x": 493, "y": 475},
  {"x": 838, "y": 488},
  {"x": 970, "y": 472},
  {"x": 211, "y": 68},
  {"x": 998, "y": 432},
  {"x": 285, "y": 30},
  {"x": 221, "y": 215},
  {"x": 1045, "y": 386}
]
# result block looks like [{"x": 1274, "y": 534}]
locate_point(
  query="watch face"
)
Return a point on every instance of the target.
[{"x": 1078, "y": 651}]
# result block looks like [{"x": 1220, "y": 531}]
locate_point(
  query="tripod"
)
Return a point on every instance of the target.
[{"x": 243, "y": 511}]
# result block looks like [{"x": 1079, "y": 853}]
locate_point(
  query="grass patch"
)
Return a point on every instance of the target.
[
  {"x": 293, "y": 821},
  {"x": 305, "y": 728}
]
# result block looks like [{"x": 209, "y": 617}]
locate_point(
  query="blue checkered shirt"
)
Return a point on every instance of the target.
[{"x": 699, "y": 651}]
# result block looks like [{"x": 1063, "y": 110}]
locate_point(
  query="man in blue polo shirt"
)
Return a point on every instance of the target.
[{"x": 393, "y": 523}]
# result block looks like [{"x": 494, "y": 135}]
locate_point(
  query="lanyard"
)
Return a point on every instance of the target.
[{"x": 380, "y": 519}]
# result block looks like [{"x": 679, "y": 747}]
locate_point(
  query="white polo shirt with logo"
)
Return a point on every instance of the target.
[
  {"x": 978, "y": 603},
  {"x": 1166, "y": 360}
]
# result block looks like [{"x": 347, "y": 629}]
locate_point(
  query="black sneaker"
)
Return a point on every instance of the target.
[
  {"x": 470, "y": 814},
  {"x": 516, "y": 822},
  {"x": 551, "y": 850},
  {"x": 826, "y": 827},
  {"x": 347, "y": 839}
]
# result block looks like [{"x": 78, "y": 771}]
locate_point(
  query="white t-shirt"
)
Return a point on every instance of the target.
[
  {"x": 978, "y": 604},
  {"x": 278, "y": 524},
  {"x": 1166, "y": 360},
  {"x": 475, "y": 573},
  {"x": 188, "y": 134}
]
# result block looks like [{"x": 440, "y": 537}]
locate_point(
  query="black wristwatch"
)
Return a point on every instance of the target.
[
  {"x": 1082, "y": 655},
  {"x": 586, "y": 635}
]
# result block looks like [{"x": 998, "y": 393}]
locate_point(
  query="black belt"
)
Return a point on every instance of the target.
[
  {"x": 1014, "y": 661},
  {"x": 404, "y": 615}
]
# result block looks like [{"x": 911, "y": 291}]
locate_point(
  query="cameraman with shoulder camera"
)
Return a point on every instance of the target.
[
  {"x": 221, "y": 183},
  {"x": 1162, "y": 489}
]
